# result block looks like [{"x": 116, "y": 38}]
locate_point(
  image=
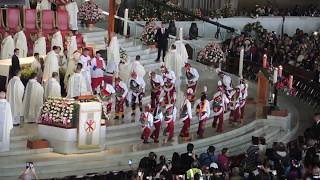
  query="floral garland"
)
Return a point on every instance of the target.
[
  {"x": 90, "y": 12},
  {"x": 211, "y": 54},
  {"x": 149, "y": 33},
  {"x": 282, "y": 85},
  {"x": 256, "y": 27},
  {"x": 123, "y": 56},
  {"x": 59, "y": 112},
  {"x": 27, "y": 72}
]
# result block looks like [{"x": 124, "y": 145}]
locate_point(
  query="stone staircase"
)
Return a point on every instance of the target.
[
  {"x": 131, "y": 45},
  {"x": 123, "y": 141}
]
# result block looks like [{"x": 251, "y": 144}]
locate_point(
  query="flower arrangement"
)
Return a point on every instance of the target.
[
  {"x": 60, "y": 112},
  {"x": 123, "y": 56},
  {"x": 282, "y": 85},
  {"x": 90, "y": 12},
  {"x": 254, "y": 27},
  {"x": 212, "y": 54},
  {"x": 27, "y": 72},
  {"x": 149, "y": 33}
]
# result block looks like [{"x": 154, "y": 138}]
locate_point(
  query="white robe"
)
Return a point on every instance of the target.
[
  {"x": 15, "y": 91},
  {"x": 21, "y": 43},
  {"x": 181, "y": 49},
  {"x": 39, "y": 46},
  {"x": 36, "y": 66},
  {"x": 72, "y": 63},
  {"x": 52, "y": 88},
  {"x": 51, "y": 65},
  {"x": 174, "y": 62},
  {"x": 72, "y": 9},
  {"x": 86, "y": 67},
  {"x": 45, "y": 5},
  {"x": 114, "y": 52},
  {"x": 78, "y": 85},
  {"x": 57, "y": 40},
  {"x": 72, "y": 46},
  {"x": 137, "y": 67},
  {"x": 6, "y": 125},
  {"x": 7, "y": 47},
  {"x": 32, "y": 101}
]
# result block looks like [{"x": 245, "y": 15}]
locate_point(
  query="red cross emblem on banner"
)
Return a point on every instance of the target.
[{"x": 90, "y": 126}]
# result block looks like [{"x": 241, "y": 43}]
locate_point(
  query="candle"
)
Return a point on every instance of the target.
[
  {"x": 275, "y": 75},
  {"x": 273, "y": 96},
  {"x": 290, "y": 82},
  {"x": 271, "y": 60},
  {"x": 125, "y": 26},
  {"x": 181, "y": 34},
  {"x": 250, "y": 56},
  {"x": 241, "y": 62},
  {"x": 280, "y": 71},
  {"x": 264, "y": 61}
]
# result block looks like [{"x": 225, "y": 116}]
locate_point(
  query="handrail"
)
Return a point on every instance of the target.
[
  {"x": 192, "y": 15},
  {"x": 122, "y": 19}
]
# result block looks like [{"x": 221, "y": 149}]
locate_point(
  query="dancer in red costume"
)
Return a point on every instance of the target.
[
  {"x": 203, "y": 113},
  {"x": 218, "y": 106},
  {"x": 158, "y": 117},
  {"x": 106, "y": 97},
  {"x": 234, "y": 106},
  {"x": 121, "y": 93},
  {"x": 136, "y": 93},
  {"x": 146, "y": 120},
  {"x": 170, "y": 118},
  {"x": 157, "y": 83},
  {"x": 243, "y": 98},
  {"x": 186, "y": 114},
  {"x": 192, "y": 79}
]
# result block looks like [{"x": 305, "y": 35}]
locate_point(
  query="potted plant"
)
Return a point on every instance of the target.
[
  {"x": 148, "y": 35},
  {"x": 90, "y": 13},
  {"x": 211, "y": 55}
]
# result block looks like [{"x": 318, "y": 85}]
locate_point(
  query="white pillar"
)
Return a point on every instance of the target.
[
  {"x": 181, "y": 34},
  {"x": 241, "y": 62},
  {"x": 125, "y": 26}
]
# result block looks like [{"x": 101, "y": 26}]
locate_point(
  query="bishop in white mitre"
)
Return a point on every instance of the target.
[
  {"x": 6, "y": 124},
  {"x": 174, "y": 62},
  {"x": 72, "y": 45},
  {"x": 33, "y": 100},
  {"x": 7, "y": 46},
  {"x": 52, "y": 87},
  {"x": 51, "y": 63},
  {"x": 73, "y": 10},
  {"x": 78, "y": 84},
  {"x": 44, "y": 5},
  {"x": 57, "y": 39},
  {"x": 20, "y": 41},
  {"x": 39, "y": 45},
  {"x": 15, "y": 91}
]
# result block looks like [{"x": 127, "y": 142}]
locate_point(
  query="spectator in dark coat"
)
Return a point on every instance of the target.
[
  {"x": 187, "y": 158},
  {"x": 148, "y": 164},
  {"x": 208, "y": 157}
]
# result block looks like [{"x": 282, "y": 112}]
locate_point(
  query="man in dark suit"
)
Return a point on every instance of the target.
[
  {"x": 15, "y": 63},
  {"x": 188, "y": 158},
  {"x": 316, "y": 77},
  {"x": 162, "y": 36}
]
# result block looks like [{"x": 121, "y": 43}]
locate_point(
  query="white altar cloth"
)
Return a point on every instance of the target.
[{"x": 6, "y": 63}]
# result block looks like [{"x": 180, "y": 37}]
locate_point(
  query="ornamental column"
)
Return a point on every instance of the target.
[{"x": 112, "y": 11}]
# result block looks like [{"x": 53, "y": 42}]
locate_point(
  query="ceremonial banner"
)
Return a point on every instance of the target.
[{"x": 89, "y": 125}]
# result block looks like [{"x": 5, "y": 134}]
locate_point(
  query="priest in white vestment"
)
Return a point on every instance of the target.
[
  {"x": 39, "y": 45},
  {"x": 72, "y": 64},
  {"x": 72, "y": 46},
  {"x": 6, "y": 124},
  {"x": 85, "y": 60},
  {"x": 51, "y": 63},
  {"x": 114, "y": 53},
  {"x": 15, "y": 91},
  {"x": 57, "y": 39},
  {"x": 137, "y": 67},
  {"x": 73, "y": 10},
  {"x": 33, "y": 100},
  {"x": 52, "y": 87},
  {"x": 21, "y": 43},
  {"x": 36, "y": 66},
  {"x": 7, "y": 46},
  {"x": 78, "y": 84},
  {"x": 174, "y": 62}
]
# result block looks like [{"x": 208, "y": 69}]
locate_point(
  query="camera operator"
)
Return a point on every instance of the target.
[{"x": 29, "y": 173}]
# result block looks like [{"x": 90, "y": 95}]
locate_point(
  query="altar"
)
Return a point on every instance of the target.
[{"x": 73, "y": 126}]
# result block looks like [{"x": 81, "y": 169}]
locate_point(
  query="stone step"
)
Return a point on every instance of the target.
[
  {"x": 18, "y": 137},
  {"x": 24, "y": 151},
  {"x": 18, "y": 144},
  {"x": 101, "y": 163}
]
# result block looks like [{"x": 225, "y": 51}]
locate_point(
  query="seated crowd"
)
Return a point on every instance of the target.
[
  {"x": 298, "y": 159},
  {"x": 300, "y": 50}
]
